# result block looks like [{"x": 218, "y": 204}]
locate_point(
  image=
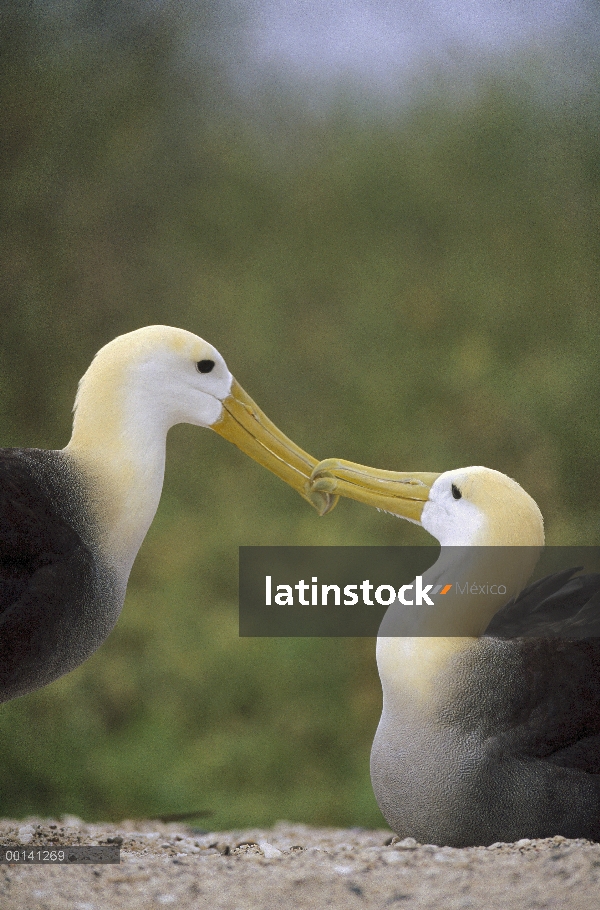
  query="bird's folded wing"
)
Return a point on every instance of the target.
[
  {"x": 47, "y": 583},
  {"x": 561, "y": 605}
]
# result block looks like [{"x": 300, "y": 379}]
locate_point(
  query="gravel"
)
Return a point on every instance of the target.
[{"x": 293, "y": 865}]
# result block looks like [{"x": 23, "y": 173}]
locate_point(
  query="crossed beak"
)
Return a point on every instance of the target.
[
  {"x": 243, "y": 423},
  {"x": 401, "y": 493}
]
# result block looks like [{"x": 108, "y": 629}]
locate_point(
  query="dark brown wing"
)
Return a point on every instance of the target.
[
  {"x": 557, "y": 606},
  {"x": 51, "y": 609},
  {"x": 535, "y": 698},
  {"x": 32, "y": 532}
]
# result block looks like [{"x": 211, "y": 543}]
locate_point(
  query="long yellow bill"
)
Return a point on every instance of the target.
[
  {"x": 400, "y": 493},
  {"x": 244, "y": 424}
]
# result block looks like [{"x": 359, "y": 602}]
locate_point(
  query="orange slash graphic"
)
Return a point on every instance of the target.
[{"x": 445, "y": 589}]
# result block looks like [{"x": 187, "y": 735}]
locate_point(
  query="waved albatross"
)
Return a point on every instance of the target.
[
  {"x": 72, "y": 521},
  {"x": 485, "y": 735}
]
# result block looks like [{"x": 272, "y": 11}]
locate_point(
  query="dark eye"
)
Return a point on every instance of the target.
[
  {"x": 205, "y": 366},
  {"x": 456, "y": 492}
]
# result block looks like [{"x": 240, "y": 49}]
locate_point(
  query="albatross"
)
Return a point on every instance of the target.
[
  {"x": 485, "y": 735},
  {"x": 73, "y": 520}
]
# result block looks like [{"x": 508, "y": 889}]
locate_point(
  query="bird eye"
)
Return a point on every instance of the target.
[
  {"x": 456, "y": 492},
  {"x": 205, "y": 366}
]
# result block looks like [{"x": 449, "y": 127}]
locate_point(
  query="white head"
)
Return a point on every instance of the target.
[
  {"x": 158, "y": 376},
  {"x": 481, "y": 507}
]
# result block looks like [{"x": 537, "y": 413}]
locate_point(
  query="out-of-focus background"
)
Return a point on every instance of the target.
[{"x": 385, "y": 216}]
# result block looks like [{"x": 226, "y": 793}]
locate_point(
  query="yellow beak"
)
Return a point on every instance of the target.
[
  {"x": 402, "y": 494},
  {"x": 244, "y": 424}
]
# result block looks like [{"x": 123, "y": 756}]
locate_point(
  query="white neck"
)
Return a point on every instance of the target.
[
  {"x": 415, "y": 642},
  {"x": 119, "y": 442}
]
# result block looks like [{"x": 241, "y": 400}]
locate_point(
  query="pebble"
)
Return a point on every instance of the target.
[
  {"x": 25, "y": 834},
  {"x": 269, "y": 851},
  {"x": 408, "y": 843}
]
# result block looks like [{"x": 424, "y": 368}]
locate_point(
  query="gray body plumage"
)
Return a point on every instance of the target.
[
  {"x": 58, "y": 597},
  {"x": 507, "y": 746}
]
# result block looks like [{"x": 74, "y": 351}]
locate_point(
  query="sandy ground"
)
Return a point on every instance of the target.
[{"x": 296, "y": 867}]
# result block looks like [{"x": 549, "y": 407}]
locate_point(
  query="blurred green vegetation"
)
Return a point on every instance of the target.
[{"x": 415, "y": 292}]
